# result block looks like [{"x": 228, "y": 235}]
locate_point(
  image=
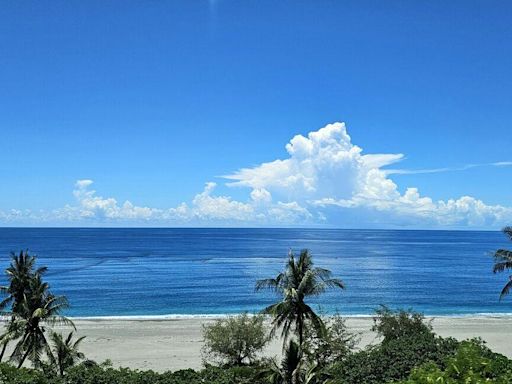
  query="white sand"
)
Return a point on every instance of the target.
[{"x": 176, "y": 344}]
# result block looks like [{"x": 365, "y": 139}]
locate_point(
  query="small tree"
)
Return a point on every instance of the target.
[
  {"x": 235, "y": 340},
  {"x": 392, "y": 325},
  {"x": 64, "y": 352},
  {"x": 335, "y": 344}
]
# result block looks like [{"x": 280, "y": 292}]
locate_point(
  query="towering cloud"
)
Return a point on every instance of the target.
[{"x": 325, "y": 170}]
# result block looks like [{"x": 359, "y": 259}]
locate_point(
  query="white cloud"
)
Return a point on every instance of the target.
[
  {"x": 205, "y": 208},
  {"x": 326, "y": 170},
  {"x": 447, "y": 169},
  {"x": 324, "y": 164},
  {"x": 325, "y": 179}
]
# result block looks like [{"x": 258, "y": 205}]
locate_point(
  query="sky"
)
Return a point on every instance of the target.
[{"x": 350, "y": 114}]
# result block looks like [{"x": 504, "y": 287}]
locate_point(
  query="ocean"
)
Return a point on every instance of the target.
[{"x": 192, "y": 272}]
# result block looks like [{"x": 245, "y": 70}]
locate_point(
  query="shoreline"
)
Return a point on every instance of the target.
[
  {"x": 163, "y": 344},
  {"x": 224, "y": 315}
]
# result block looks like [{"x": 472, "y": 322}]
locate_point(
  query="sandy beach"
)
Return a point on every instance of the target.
[{"x": 172, "y": 344}]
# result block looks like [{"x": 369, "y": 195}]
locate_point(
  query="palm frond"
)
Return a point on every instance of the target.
[
  {"x": 502, "y": 266},
  {"x": 272, "y": 284},
  {"x": 506, "y": 289},
  {"x": 59, "y": 320},
  {"x": 508, "y": 232},
  {"x": 335, "y": 283}
]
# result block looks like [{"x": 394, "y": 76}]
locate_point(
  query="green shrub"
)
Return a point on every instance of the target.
[
  {"x": 392, "y": 325},
  {"x": 235, "y": 340},
  {"x": 99, "y": 374},
  {"x": 211, "y": 374},
  {"x": 393, "y": 360},
  {"x": 12, "y": 375},
  {"x": 335, "y": 344},
  {"x": 472, "y": 364}
]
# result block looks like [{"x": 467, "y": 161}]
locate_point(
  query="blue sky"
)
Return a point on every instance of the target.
[{"x": 152, "y": 100}]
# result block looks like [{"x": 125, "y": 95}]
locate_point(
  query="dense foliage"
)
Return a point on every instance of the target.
[
  {"x": 401, "y": 324},
  {"x": 472, "y": 364},
  {"x": 469, "y": 363},
  {"x": 392, "y": 360},
  {"x": 335, "y": 344},
  {"x": 83, "y": 374}
]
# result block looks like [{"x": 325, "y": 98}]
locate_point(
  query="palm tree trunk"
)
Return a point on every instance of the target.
[
  {"x": 3, "y": 351},
  {"x": 300, "y": 330},
  {"x": 23, "y": 358}
]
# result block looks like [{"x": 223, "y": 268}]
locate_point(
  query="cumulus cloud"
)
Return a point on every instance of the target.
[
  {"x": 323, "y": 164},
  {"x": 204, "y": 208},
  {"x": 325, "y": 179},
  {"x": 327, "y": 171}
]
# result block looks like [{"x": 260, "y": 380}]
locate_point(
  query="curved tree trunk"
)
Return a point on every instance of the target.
[
  {"x": 4, "y": 347},
  {"x": 23, "y": 358}
]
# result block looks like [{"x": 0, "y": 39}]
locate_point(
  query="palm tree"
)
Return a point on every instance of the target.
[
  {"x": 503, "y": 261},
  {"x": 65, "y": 352},
  {"x": 298, "y": 281},
  {"x": 19, "y": 273},
  {"x": 39, "y": 307}
]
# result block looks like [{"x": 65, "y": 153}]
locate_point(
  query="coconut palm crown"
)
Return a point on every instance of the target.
[
  {"x": 299, "y": 280},
  {"x": 20, "y": 272}
]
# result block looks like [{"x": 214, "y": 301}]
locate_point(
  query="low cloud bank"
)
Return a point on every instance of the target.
[{"x": 324, "y": 180}]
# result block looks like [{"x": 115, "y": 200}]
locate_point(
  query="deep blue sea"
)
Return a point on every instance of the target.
[{"x": 139, "y": 272}]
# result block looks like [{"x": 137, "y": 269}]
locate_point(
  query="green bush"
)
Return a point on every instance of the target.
[
  {"x": 235, "y": 340},
  {"x": 335, "y": 344},
  {"x": 12, "y": 375},
  {"x": 98, "y": 374},
  {"x": 408, "y": 342},
  {"x": 393, "y": 360},
  {"x": 472, "y": 364},
  {"x": 392, "y": 325}
]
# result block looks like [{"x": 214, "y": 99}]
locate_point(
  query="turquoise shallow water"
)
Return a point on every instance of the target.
[{"x": 140, "y": 272}]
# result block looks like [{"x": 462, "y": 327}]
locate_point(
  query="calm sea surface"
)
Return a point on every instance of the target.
[{"x": 117, "y": 272}]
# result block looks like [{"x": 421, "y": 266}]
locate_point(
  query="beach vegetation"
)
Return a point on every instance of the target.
[
  {"x": 472, "y": 363},
  {"x": 235, "y": 340},
  {"x": 393, "y": 325},
  {"x": 64, "y": 352},
  {"x": 294, "y": 368},
  {"x": 400, "y": 351},
  {"x": 291, "y": 368},
  {"x": 335, "y": 344}
]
